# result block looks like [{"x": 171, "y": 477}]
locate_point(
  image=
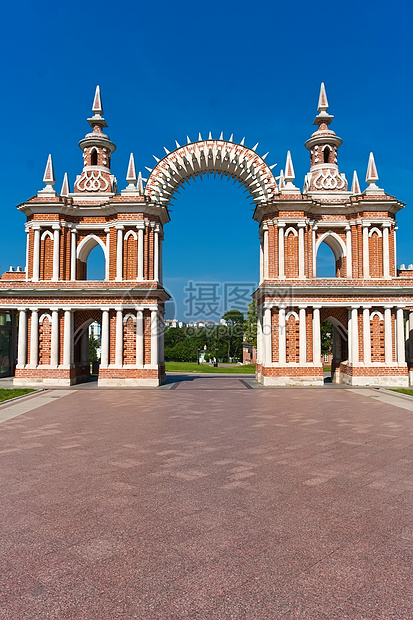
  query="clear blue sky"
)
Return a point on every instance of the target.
[{"x": 170, "y": 69}]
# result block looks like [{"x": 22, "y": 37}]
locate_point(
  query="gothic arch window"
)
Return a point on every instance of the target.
[
  {"x": 46, "y": 255},
  {"x": 93, "y": 157},
  {"x": 327, "y": 265},
  {"x": 326, "y": 154},
  {"x": 96, "y": 268}
]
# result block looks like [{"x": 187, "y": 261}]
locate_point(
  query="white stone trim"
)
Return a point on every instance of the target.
[
  {"x": 289, "y": 230},
  {"x": 375, "y": 230},
  {"x": 376, "y": 313},
  {"x": 47, "y": 233},
  {"x": 130, "y": 233}
]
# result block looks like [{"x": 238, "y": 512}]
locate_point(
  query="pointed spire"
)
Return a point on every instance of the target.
[
  {"x": 281, "y": 182},
  {"x": 322, "y": 99},
  {"x": 97, "y": 107},
  {"x": 355, "y": 186},
  {"x": 188, "y": 140},
  {"x": 65, "y": 191},
  {"x": 49, "y": 178},
  {"x": 221, "y": 135},
  {"x": 131, "y": 173},
  {"x": 178, "y": 146},
  {"x": 210, "y": 136},
  {"x": 371, "y": 176},
  {"x": 242, "y": 141},
  {"x": 289, "y": 169},
  {"x": 140, "y": 184}
]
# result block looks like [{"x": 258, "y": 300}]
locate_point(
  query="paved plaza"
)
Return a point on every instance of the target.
[{"x": 207, "y": 499}]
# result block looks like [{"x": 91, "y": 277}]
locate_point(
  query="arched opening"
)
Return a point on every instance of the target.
[
  {"x": 87, "y": 345},
  {"x": 327, "y": 155},
  {"x": 326, "y": 262},
  {"x": 331, "y": 252},
  {"x": 91, "y": 259},
  {"x": 94, "y": 157},
  {"x": 334, "y": 341}
]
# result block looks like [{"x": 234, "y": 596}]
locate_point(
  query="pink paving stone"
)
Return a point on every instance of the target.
[{"x": 210, "y": 500}]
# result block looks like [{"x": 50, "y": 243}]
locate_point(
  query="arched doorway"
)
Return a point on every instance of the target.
[{"x": 90, "y": 265}]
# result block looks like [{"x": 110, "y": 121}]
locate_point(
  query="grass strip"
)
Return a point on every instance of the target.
[
  {"x": 7, "y": 393},
  {"x": 194, "y": 367},
  {"x": 402, "y": 391}
]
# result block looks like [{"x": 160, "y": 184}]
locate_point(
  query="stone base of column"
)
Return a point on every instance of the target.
[
  {"x": 131, "y": 377},
  {"x": 49, "y": 376},
  {"x": 377, "y": 375},
  {"x": 292, "y": 374}
]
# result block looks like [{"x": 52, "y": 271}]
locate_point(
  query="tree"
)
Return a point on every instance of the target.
[
  {"x": 251, "y": 324},
  {"x": 233, "y": 334},
  {"x": 93, "y": 347},
  {"x": 326, "y": 338}
]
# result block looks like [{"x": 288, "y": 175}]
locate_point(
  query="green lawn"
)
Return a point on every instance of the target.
[
  {"x": 7, "y": 393},
  {"x": 194, "y": 367},
  {"x": 403, "y": 391}
]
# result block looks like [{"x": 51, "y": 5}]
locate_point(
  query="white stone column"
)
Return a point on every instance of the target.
[
  {"x": 156, "y": 252},
  {"x": 107, "y": 253},
  {"x": 316, "y": 336},
  {"x": 401, "y": 343},
  {"x": 154, "y": 337},
  {"x": 161, "y": 329},
  {"x": 354, "y": 335},
  {"x": 281, "y": 252},
  {"x": 301, "y": 253},
  {"x": 259, "y": 336},
  {"x": 68, "y": 339},
  {"x": 265, "y": 250},
  {"x": 314, "y": 235},
  {"x": 36, "y": 254},
  {"x": 366, "y": 253},
  {"x": 104, "y": 344},
  {"x": 366, "y": 336},
  {"x": 161, "y": 257},
  {"x": 139, "y": 339},
  {"x": 282, "y": 337},
  {"x": 349, "y": 257},
  {"x": 386, "y": 251},
  {"x": 22, "y": 340},
  {"x": 395, "y": 250},
  {"x": 388, "y": 339},
  {"x": 119, "y": 253},
  {"x": 56, "y": 252},
  {"x": 303, "y": 336},
  {"x": 27, "y": 253},
  {"x": 261, "y": 257},
  {"x": 141, "y": 247},
  {"x": 54, "y": 348},
  {"x": 119, "y": 338},
  {"x": 267, "y": 330},
  {"x": 73, "y": 253},
  {"x": 34, "y": 337},
  {"x": 410, "y": 334}
]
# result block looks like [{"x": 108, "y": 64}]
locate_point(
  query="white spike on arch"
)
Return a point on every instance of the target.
[{"x": 211, "y": 156}]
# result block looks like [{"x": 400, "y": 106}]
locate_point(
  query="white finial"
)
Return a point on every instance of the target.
[
  {"x": 254, "y": 148},
  {"x": 199, "y": 137},
  {"x": 49, "y": 178},
  {"x": 231, "y": 138},
  {"x": 166, "y": 150},
  {"x": 210, "y": 136},
  {"x": 372, "y": 177},
  {"x": 188, "y": 140},
  {"x": 221, "y": 135},
  {"x": 289, "y": 169},
  {"x": 65, "y": 191},
  {"x": 242, "y": 141},
  {"x": 355, "y": 186},
  {"x": 97, "y": 102},
  {"x": 131, "y": 173},
  {"x": 140, "y": 184},
  {"x": 281, "y": 182},
  {"x": 322, "y": 100},
  {"x": 178, "y": 146}
]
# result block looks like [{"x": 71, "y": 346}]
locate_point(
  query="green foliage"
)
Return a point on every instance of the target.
[
  {"x": 326, "y": 338},
  {"x": 7, "y": 393},
  {"x": 93, "y": 346},
  {"x": 251, "y": 324},
  {"x": 194, "y": 367}
]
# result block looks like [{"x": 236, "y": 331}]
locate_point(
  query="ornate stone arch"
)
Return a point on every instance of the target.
[
  {"x": 211, "y": 156},
  {"x": 86, "y": 246},
  {"x": 290, "y": 314},
  {"x": 291, "y": 230},
  {"x": 45, "y": 234},
  {"x": 378, "y": 314},
  {"x": 334, "y": 242},
  {"x": 131, "y": 233},
  {"x": 375, "y": 230}
]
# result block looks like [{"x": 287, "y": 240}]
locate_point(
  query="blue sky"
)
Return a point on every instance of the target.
[{"x": 171, "y": 69}]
